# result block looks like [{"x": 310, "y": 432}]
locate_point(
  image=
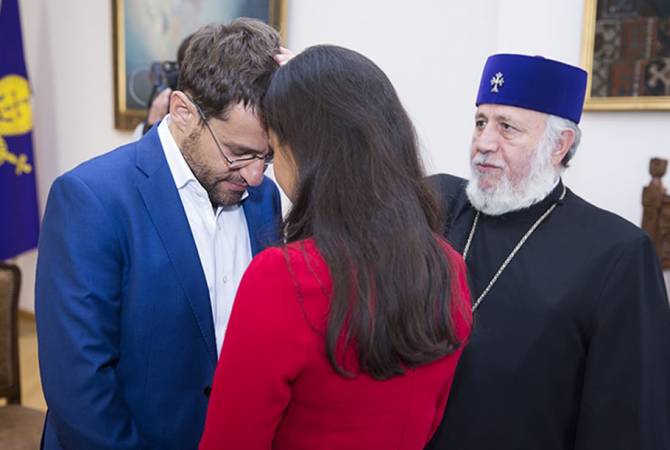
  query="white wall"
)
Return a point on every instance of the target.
[
  {"x": 68, "y": 50},
  {"x": 433, "y": 51}
]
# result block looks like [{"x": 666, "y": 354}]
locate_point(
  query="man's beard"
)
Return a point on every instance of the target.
[
  {"x": 507, "y": 196},
  {"x": 210, "y": 181}
]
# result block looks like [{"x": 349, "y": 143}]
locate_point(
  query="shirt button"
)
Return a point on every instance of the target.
[{"x": 225, "y": 278}]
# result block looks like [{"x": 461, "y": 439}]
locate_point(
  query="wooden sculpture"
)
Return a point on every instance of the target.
[{"x": 656, "y": 210}]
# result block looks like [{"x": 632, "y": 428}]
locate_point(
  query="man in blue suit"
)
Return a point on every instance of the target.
[{"x": 142, "y": 250}]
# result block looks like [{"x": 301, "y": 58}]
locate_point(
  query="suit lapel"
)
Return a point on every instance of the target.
[
  {"x": 164, "y": 205},
  {"x": 251, "y": 214},
  {"x": 261, "y": 210}
]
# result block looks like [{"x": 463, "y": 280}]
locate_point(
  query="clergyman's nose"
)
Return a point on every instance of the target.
[{"x": 487, "y": 140}]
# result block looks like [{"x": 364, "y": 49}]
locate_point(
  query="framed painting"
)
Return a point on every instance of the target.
[
  {"x": 626, "y": 51},
  {"x": 150, "y": 31}
]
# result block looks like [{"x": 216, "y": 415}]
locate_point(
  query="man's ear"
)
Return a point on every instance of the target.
[
  {"x": 565, "y": 141},
  {"x": 181, "y": 110}
]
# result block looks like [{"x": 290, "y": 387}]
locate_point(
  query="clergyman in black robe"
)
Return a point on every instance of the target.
[{"x": 571, "y": 341}]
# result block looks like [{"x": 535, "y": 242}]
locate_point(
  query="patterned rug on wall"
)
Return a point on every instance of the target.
[{"x": 632, "y": 49}]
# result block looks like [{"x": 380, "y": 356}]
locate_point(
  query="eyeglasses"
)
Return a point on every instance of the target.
[{"x": 236, "y": 163}]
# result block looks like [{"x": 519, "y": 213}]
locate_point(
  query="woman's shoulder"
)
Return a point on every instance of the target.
[
  {"x": 281, "y": 255},
  {"x": 291, "y": 251},
  {"x": 453, "y": 255},
  {"x": 461, "y": 301},
  {"x": 303, "y": 247},
  {"x": 299, "y": 261},
  {"x": 298, "y": 255}
]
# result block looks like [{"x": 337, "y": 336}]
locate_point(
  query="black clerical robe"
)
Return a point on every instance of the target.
[{"x": 571, "y": 347}]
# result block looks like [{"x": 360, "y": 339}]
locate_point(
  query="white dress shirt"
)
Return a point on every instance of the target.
[{"x": 221, "y": 236}]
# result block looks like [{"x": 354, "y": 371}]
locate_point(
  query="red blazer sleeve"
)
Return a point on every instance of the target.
[
  {"x": 263, "y": 351},
  {"x": 461, "y": 314}
]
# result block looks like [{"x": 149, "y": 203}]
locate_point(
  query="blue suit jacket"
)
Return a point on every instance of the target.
[{"x": 126, "y": 337}]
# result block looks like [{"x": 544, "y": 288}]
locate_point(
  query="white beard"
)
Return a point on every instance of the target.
[{"x": 506, "y": 197}]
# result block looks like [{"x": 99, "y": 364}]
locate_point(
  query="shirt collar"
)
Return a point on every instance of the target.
[{"x": 181, "y": 172}]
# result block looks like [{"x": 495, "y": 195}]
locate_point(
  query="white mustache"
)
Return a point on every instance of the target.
[{"x": 480, "y": 158}]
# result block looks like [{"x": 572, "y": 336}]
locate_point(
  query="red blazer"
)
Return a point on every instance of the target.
[{"x": 275, "y": 389}]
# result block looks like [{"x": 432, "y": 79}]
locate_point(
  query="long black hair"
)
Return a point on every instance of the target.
[{"x": 362, "y": 197}]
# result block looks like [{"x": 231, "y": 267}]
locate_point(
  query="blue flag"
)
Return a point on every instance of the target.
[{"x": 19, "y": 222}]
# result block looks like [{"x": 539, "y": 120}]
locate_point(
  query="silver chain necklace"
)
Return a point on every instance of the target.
[{"x": 514, "y": 251}]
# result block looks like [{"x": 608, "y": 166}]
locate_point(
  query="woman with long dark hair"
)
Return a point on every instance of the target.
[{"x": 347, "y": 336}]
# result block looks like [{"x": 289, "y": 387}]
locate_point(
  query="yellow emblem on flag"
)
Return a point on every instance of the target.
[
  {"x": 15, "y": 110},
  {"x": 19, "y": 162},
  {"x": 16, "y": 118}
]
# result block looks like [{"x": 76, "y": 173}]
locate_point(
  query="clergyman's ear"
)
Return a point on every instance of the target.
[{"x": 565, "y": 141}]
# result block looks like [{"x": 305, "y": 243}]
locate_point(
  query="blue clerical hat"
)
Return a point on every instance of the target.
[{"x": 533, "y": 82}]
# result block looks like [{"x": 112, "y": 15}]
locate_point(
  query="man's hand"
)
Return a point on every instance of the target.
[{"x": 284, "y": 56}]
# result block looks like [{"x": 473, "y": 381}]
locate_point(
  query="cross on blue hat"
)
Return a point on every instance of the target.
[{"x": 533, "y": 82}]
